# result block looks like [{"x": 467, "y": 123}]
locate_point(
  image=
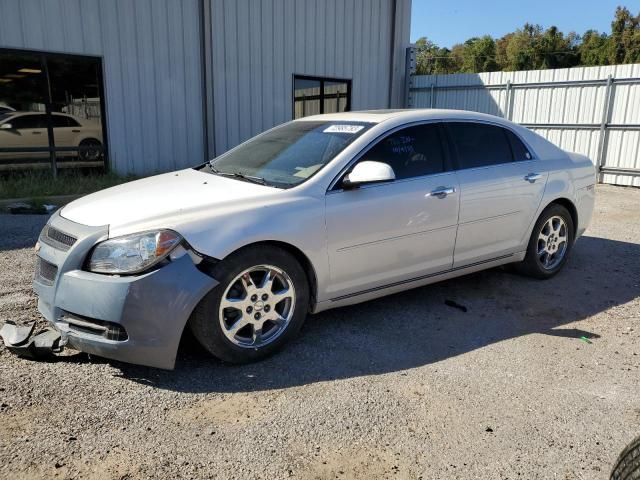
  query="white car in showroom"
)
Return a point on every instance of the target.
[
  {"x": 26, "y": 134},
  {"x": 318, "y": 213}
]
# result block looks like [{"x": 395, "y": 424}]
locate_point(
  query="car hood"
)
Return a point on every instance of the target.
[{"x": 165, "y": 201}]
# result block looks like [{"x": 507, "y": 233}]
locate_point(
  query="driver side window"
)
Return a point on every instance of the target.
[{"x": 411, "y": 152}]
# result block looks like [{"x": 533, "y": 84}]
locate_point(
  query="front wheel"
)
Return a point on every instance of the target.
[
  {"x": 259, "y": 305},
  {"x": 550, "y": 243}
]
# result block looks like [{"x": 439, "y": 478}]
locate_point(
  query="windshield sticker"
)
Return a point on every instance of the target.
[{"x": 351, "y": 129}]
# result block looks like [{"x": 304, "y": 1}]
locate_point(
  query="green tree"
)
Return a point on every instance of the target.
[
  {"x": 555, "y": 50},
  {"x": 521, "y": 47},
  {"x": 478, "y": 54},
  {"x": 594, "y": 48},
  {"x": 625, "y": 37},
  {"x": 431, "y": 59}
]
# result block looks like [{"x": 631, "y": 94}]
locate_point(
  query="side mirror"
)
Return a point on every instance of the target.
[
  {"x": 368, "y": 172},
  {"x": 6, "y": 126}
]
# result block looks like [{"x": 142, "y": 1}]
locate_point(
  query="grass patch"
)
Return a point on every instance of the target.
[{"x": 41, "y": 184}]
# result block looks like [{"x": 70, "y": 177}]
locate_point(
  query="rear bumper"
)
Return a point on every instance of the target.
[
  {"x": 137, "y": 319},
  {"x": 585, "y": 199}
]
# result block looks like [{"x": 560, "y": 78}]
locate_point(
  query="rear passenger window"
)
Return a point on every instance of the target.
[
  {"x": 411, "y": 152},
  {"x": 520, "y": 152},
  {"x": 480, "y": 145}
]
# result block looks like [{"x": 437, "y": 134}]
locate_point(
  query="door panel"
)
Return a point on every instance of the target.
[
  {"x": 497, "y": 202},
  {"x": 385, "y": 233},
  {"x": 29, "y": 131},
  {"x": 497, "y": 205}
]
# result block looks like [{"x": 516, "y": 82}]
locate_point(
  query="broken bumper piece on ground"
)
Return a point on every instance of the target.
[{"x": 22, "y": 342}]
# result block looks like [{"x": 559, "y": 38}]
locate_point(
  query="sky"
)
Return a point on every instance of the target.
[{"x": 447, "y": 22}]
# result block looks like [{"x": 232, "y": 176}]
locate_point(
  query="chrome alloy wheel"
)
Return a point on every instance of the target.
[
  {"x": 552, "y": 242},
  {"x": 257, "y": 306}
]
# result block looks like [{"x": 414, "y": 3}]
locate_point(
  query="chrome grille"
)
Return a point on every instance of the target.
[
  {"x": 57, "y": 239},
  {"x": 46, "y": 272}
]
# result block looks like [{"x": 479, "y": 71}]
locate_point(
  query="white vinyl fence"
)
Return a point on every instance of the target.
[{"x": 590, "y": 110}]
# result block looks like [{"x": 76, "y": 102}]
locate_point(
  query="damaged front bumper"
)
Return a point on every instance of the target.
[{"x": 135, "y": 318}]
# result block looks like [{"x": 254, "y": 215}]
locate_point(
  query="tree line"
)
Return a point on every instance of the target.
[{"x": 532, "y": 48}]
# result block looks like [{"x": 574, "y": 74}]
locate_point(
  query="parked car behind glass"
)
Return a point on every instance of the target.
[{"x": 28, "y": 130}]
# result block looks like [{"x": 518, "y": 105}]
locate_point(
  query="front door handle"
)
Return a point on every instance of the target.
[
  {"x": 532, "y": 177},
  {"x": 441, "y": 192}
]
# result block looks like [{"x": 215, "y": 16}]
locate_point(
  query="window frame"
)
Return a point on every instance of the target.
[
  {"x": 26, "y": 117},
  {"x": 44, "y": 56},
  {"x": 335, "y": 185},
  {"x": 321, "y": 96},
  {"x": 453, "y": 150},
  {"x": 517, "y": 138}
]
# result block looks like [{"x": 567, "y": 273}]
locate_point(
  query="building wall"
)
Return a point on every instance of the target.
[
  {"x": 152, "y": 70},
  {"x": 259, "y": 46},
  {"x": 160, "y": 93}
]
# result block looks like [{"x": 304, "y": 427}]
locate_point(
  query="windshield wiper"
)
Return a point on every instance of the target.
[
  {"x": 241, "y": 176},
  {"x": 249, "y": 178}
]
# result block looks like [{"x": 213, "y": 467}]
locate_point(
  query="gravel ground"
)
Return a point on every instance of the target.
[{"x": 401, "y": 387}]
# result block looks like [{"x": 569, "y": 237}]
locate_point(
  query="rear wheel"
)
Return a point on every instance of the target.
[
  {"x": 90, "y": 150},
  {"x": 550, "y": 243},
  {"x": 259, "y": 305}
]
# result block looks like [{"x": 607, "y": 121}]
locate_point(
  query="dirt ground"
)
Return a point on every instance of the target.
[{"x": 402, "y": 387}]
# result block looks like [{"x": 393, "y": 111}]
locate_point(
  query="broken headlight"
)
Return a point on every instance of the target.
[{"x": 133, "y": 253}]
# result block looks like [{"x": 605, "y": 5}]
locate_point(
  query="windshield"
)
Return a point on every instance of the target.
[{"x": 288, "y": 155}]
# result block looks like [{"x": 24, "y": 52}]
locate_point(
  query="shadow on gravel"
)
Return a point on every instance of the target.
[
  {"x": 416, "y": 328},
  {"x": 20, "y": 231}
]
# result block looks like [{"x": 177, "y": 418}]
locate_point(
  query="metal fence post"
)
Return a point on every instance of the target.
[
  {"x": 432, "y": 100},
  {"x": 507, "y": 93},
  {"x": 602, "y": 140},
  {"x": 510, "y": 91},
  {"x": 410, "y": 71}
]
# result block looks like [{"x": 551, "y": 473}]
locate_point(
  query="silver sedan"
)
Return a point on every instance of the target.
[{"x": 318, "y": 213}]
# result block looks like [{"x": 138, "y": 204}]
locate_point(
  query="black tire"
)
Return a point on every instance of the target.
[
  {"x": 205, "y": 320},
  {"x": 627, "y": 467},
  {"x": 532, "y": 265},
  {"x": 90, "y": 150}
]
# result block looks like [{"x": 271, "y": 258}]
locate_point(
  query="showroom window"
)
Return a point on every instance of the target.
[
  {"x": 315, "y": 95},
  {"x": 51, "y": 111}
]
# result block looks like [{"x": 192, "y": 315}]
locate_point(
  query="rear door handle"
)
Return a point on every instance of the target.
[
  {"x": 532, "y": 177},
  {"x": 75, "y": 131},
  {"x": 441, "y": 192}
]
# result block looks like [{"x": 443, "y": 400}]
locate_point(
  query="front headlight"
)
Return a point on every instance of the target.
[{"x": 133, "y": 253}]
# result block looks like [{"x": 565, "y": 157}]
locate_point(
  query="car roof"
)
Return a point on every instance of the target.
[
  {"x": 409, "y": 114},
  {"x": 19, "y": 113},
  {"x": 23, "y": 112}
]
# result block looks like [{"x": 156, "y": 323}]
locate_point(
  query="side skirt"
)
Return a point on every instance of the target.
[{"x": 408, "y": 284}]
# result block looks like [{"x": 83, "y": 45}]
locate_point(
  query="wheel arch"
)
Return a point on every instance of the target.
[
  {"x": 302, "y": 259},
  {"x": 571, "y": 208},
  {"x": 88, "y": 138}
]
